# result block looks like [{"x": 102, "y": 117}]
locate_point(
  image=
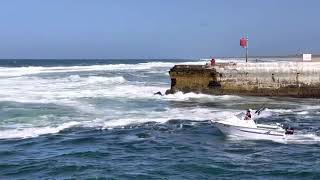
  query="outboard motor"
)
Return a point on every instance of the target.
[{"x": 289, "y": 130}]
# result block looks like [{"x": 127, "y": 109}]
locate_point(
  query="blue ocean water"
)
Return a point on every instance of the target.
[{"x": 99, "y": 119}]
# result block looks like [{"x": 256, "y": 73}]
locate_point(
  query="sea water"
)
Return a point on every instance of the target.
[{"x": 100, "y": 119}]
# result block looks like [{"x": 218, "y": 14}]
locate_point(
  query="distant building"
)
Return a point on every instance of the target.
[{"x": 306, "y": 57}]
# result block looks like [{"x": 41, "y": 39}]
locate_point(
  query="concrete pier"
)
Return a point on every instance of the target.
[{"x": 292, "y": 79}]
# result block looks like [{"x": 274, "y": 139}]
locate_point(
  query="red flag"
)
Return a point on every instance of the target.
[{"x": 243, "y": 42}]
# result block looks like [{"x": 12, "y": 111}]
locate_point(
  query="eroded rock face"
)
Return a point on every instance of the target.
[{"x": 294, "y": 79}]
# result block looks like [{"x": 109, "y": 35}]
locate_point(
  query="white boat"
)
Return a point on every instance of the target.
[{"x": 249, "y": 129}]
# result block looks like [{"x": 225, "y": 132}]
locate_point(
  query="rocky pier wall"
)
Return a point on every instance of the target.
[{"x": 292, "y": 79}]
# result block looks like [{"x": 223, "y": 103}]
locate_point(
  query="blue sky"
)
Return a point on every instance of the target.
[{"x": 156, "y": 28}]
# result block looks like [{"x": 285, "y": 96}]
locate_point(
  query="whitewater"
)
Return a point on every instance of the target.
[
  {"x": 75, "y": 87},
  {"x": 88, "y": 101}
]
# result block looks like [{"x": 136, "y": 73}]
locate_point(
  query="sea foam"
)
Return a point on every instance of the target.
[{"x": 35, "y": 131}]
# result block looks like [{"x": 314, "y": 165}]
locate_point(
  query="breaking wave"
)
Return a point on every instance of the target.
[
  {"x": 116, "y": 121},
  {"x": 34, "y": 131},
  {"x": 119, "y": 96},
  {"x": 32, "y": 70},
  {"x": 42, "y": 90}
]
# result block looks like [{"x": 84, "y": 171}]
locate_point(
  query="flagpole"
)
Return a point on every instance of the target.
[{"x": 247, "y": 50}]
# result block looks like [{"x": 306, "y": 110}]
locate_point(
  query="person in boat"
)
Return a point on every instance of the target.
[{"x": 248, "y": 115}]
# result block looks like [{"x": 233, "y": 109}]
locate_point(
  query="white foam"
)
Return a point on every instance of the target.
[
  {"x": 310, "y": 107},
  {"x": 179, "y": 96},
  {"x": 63, "y": 90},
  {"x": 292, "y": 139},
  {"x": 75, "y": 89},
  {"x": 31, "y": 70},
  {"x": 303, "y": 112},
  {"x": 115, "y": 120},
  {"x": 35, "y": 131},
  {"x": 193, "y": 114},
  {"x": 279, "y": 110},
  {"x": 308, "y": 138},
  {"x": 67, "y": 90}
]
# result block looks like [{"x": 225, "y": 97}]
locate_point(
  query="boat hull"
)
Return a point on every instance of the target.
[{"x": 250, "y": 133}]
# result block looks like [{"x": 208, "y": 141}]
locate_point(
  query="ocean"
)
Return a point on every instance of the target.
[{"x": 100, "y": 119}]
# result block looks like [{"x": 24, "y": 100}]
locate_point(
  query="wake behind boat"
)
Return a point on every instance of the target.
[{"x": 247, "y": 128}]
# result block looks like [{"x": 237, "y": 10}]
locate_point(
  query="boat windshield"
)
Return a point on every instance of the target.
[{"x": 240, "y": 115}]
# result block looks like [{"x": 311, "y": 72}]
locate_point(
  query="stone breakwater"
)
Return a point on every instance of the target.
[{"x": 291, "y": 79}]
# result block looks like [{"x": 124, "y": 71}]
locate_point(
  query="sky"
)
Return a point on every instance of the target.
[{"x": 156, "y": 29}]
